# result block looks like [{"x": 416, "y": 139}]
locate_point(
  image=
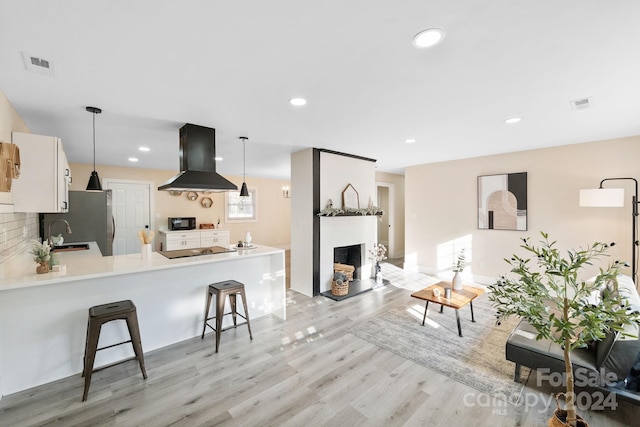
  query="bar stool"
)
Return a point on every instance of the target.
[
  {"x": 98, "y": 316},
  {"x": 229, "y": 288}
]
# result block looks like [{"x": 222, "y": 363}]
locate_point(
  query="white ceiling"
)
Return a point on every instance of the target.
[{"x": 233, "y": 64}]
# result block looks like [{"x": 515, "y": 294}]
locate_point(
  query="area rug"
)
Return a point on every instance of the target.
[{"x": 476, "y": 359}]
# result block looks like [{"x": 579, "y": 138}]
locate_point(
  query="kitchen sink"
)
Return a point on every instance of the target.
[{"x": 71, "y": 247}]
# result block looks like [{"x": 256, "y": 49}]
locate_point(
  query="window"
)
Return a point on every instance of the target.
[{"x": 241, "y": 209}]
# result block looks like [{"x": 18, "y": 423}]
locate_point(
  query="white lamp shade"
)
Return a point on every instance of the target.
[{"x": 602, "y": 198}]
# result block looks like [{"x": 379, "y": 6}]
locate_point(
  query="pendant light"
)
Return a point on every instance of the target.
[
  {"x": 244, "y": 192},
  {"x": 94, "y": 180}
]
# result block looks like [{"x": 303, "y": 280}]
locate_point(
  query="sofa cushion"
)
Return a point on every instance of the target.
[
  {"x": 604, "y": 347},
  {"x": 629, "y": 292},
  {"x": 523, "y": 348}
]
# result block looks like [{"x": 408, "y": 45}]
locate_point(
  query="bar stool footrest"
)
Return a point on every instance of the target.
[
  {"x": 100, "y": 368},
  {"x": 228, "y": 327},
  {"x": 114, "y": 345}
]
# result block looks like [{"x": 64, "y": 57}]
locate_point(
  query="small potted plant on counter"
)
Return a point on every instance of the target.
[{"x": 41, "y": 254}]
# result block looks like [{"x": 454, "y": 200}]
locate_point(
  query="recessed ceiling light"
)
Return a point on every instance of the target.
[
  {"x": 133, "y": 159},
  {"x": 218, "y": 159},
  {"x": 428, "y": 38},
  {"x": 409, "y": 141},
  {"x": 512, "y": 120},
  {"x": 144, "y": 149},
  {"x": 298, "y": 102}
]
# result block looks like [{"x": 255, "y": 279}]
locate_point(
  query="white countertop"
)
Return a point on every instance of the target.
[
  {"x": 19, "y": 271},
  {"x": 195, "y": 229}
]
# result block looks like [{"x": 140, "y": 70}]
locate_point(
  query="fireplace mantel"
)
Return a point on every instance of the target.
[
  {"x": 348, "y": 214},
  {"x": 331, "y": 211}
]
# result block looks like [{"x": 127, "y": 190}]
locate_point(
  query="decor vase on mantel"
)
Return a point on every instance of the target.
[{"x": 456, "y": 282}]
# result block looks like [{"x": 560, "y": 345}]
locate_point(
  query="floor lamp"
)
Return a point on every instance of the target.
[{"x": 611, "y": 198}]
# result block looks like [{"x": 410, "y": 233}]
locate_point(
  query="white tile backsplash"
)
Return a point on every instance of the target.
[{"x": 13, "y": 238}]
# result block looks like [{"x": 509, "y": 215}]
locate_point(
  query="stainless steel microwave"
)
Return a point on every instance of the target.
[{"x": 182, "y": 223}]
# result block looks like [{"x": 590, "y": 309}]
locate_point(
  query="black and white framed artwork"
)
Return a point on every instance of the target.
[{"x": 502, "y": 202}]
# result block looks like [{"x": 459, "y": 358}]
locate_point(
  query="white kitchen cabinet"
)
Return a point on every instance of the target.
[
  {"x": 43, "y": 185},
  {"x": 214, "y": 238},
  {"x": 174, "y": 240}
]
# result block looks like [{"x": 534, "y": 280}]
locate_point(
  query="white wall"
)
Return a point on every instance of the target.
[
  {"x": 441, "y": 205},
  {"x": 13, "y": 235},
  {"x": 302, "y": 221},
  {"x": 337, "y": 172}
]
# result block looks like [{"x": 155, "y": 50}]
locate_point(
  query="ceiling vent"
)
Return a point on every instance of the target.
[
  {"x": 38, "y": 65},
  {"x": 581, "y": 104}
]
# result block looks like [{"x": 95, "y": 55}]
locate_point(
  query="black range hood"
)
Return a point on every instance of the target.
[{"x": 198, "y": 163}]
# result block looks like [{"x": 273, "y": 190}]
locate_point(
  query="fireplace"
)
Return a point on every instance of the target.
[
  {"x": 350, "y": 255},
  {"x": 356, "y": 233}
]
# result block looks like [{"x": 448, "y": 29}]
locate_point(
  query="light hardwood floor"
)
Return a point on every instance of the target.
[{"x": 306, "y": 371}]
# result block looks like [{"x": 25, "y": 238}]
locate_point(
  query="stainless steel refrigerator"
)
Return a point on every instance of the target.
[{"x": 90, "y": 217}]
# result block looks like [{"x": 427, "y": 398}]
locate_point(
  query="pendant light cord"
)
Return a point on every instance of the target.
[
  {"x": 94, "y": 111},
  {"x": 94, "y": 180},
  {"x": 94, "y": 140},
  {"x": 244, "y": 192}
]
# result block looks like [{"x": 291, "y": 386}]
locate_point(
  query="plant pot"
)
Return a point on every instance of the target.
[
  {"x": 559, "y": 419},
  {"x": 456, "y": 282},
  {"x": 42, "y": 267}
]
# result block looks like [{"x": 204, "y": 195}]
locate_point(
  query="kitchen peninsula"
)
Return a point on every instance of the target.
[{"x": 43, "y": 317}]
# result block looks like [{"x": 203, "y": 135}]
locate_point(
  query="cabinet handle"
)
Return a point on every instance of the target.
[{"x": 64, "y": 205}]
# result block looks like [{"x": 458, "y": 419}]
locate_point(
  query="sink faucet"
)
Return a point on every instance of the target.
[{"x": 49, "y": 229}]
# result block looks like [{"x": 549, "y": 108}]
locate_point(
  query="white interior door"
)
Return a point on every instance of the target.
[
  {"x": 383, "y": 223},
  {"x": 386, "y": 233},
  {"x": 131, "y": 211}
]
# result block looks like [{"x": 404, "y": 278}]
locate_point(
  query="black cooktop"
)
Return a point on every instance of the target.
[{"x": 183, "y": 253}]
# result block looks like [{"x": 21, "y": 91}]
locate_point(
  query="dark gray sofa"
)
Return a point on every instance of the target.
[{"x": 615, "y": 354}]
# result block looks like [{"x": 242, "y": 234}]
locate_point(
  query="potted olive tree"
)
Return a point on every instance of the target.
[{"x": 547, "y": 290}]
